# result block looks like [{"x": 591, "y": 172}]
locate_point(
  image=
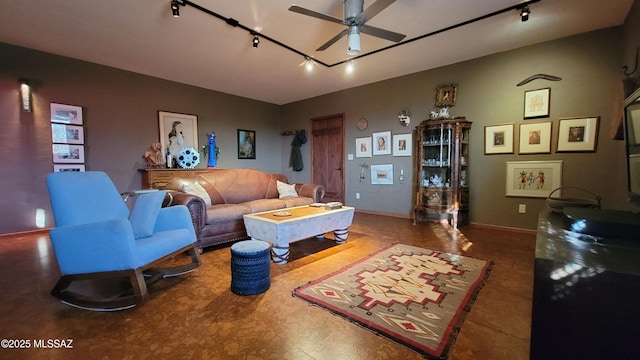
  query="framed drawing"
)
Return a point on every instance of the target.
[
  {"x": 535, "y": 138},
  {"x": 64, "y": 153},
  {"x": 69, "y": 167},
  {"x": 382, "y": 143},
  {"x": 177, "y": 131},
  {"x": 533, "y": 178},
  {"x": 446, "y": 95},
  {"x": 363, "y": 147},
  {"x": 578, "y": 134},
  {"x": 402, "y": 144},
  {"x": 382, "y": 174},
  {"x": 246, "y": 144},
  {"x": 66, "y": 114},
  {"x": 67, "y": 134},
  {"x": 536, "y": 103},
  {"x": 498, "y": 139}
]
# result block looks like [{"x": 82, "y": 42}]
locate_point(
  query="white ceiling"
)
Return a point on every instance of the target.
[{"x": 201, "y": 50}]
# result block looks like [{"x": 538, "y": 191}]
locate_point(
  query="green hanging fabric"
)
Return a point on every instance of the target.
[{"x": 295, "y": 161}]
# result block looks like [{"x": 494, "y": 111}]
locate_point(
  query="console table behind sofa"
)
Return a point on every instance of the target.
[{"x": 159, "y": 178}]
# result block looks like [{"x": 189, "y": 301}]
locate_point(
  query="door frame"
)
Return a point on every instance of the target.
[{"x": 342, "y": 161}]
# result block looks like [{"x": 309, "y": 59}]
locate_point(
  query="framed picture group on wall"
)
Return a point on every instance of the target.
[
  {"x": 67, "y": 138},
  {"x": 574, "y": 135}
]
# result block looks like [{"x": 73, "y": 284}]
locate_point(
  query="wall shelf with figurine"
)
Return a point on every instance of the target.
[{"x": 442, "y": 170}]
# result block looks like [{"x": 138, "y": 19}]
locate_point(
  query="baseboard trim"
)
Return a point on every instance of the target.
[
  {"x": 27, "y": 232},
  {"x": 384, "y": 214},
  {"x": 515, "y": 229}
]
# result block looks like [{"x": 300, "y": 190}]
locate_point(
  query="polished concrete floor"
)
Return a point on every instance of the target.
[{"x": 196, "y": 316}]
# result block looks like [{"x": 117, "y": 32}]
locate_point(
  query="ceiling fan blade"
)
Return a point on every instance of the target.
[
  {"x": 303, "y": 11},
  {"x": 333, "y": 40},
  {"x": 375, "y": 9},
  {"x": 382, "y": 33}
]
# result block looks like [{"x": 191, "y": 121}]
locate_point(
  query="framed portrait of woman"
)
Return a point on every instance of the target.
[
  {"x": 382, "y": 143},
  {"x": 177, "y": 131}
]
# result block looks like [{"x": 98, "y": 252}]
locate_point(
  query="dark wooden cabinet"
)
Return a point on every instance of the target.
[{"x": 442, "y": 170}]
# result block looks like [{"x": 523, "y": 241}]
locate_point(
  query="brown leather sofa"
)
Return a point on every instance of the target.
[{"x": 234, "y": 193}]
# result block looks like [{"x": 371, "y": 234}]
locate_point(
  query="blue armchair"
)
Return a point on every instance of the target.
[{"x": 97, "y": 237}]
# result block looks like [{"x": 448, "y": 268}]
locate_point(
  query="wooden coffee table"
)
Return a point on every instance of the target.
[{"x": 284, "y": 226}]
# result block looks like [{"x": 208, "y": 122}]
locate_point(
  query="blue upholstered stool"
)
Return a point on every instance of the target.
[{"x": 250, "y": 267}]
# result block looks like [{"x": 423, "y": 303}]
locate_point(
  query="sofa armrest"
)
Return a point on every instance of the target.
[
  {"x": 314, "y": 191},
  {"x": 197, "y": 209}
]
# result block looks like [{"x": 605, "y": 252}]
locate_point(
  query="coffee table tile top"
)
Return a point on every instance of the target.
[{"x": 304, "y": 222}]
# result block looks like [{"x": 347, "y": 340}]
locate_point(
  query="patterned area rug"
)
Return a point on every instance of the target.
[{"x": 416, "y": 297}]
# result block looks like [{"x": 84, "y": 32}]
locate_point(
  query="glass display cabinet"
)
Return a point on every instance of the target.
[{"x": 442, "y": 170}]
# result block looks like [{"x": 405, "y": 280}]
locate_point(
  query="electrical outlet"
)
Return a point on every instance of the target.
[
  {"x": 357, "y": 196},
  {"x": 522, "y": 208}
]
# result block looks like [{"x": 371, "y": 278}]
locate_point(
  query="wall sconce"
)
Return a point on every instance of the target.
[{"x": 25, "y": 95}]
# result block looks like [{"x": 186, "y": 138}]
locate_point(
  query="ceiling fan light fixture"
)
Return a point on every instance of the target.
[
  {"x": 256, "y": 41},
  {"x": 354, "y": 41}
]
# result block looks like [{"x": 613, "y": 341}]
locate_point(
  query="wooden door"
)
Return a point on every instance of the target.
[{"x": 327, "y": 156}]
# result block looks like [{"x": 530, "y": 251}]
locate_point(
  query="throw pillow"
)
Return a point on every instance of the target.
[
  {"x": 286, "y": 190},
  {"x": 145, "y": 212},
  {"x": 197, "y": 190}
]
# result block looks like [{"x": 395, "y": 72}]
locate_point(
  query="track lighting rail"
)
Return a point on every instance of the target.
[{"x": 255, "y": 34}]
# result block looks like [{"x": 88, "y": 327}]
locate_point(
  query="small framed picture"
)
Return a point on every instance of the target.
[
  {"x": 363, "y": 147},
  {"x": 66, "y": 114},
  {"x": 70, "y": 167},
  {"x": 402, "y": 144},
  {"x": 67, "y": 134},
  {"x": 64, "y": 153},
  {"x": 246, "y": 144},
  {"x": 382, "y": 143},
  {"x": 535, "y": 138},
  {"x": 533, "y": 178},
  {"x": 536, "y": 103},
  {"x": 578, "y": 134},
  {"x": 498, "y": 139},
  {"x": 446, "y": 95},
  {"x": 382, "y": 174}
]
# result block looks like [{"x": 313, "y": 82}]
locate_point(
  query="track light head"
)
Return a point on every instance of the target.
[
  {"x": 524, "y": 13},
  {"x": 174, "y": 8},
  {"x": 256, "y": 41}
]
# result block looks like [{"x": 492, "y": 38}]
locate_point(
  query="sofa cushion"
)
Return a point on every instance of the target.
[
  {"x": 297, "y": 201},
  {"x": 265, "y": 204},
  {"x": 222, "y": 212},
  {"x": 196, "y": 189},
  {"x": 286, "y": 190}
]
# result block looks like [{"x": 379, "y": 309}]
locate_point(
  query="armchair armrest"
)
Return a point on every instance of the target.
[
  {"x": 174, "y": 217},
  {"x": 102, "y": 246},
  {"x": 314, "y": 191},
  {"x": 197, "y": 209}
]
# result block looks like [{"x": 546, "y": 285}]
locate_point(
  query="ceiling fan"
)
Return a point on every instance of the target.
[{"x": 355, "y": 17}]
